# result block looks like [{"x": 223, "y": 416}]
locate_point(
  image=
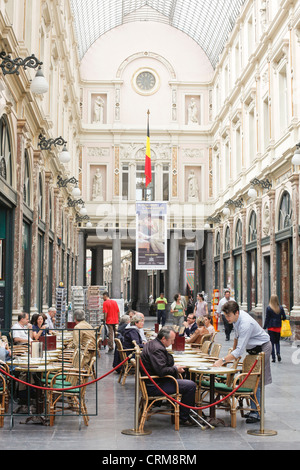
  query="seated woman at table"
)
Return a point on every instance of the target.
[
  {"x": 208, "y": 324},
  {"x": 199, "y": 333},
  {"x": 132, "y": 333},
  {"x": 38, "y": 327}
]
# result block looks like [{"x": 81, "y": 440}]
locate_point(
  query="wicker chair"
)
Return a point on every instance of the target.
[
  {"x": 204, "y": 339},
  {"x": 74, "y": 397},
  {"x": 246, "y": 392},
  {"x": 147, "y": 402},
  {"x": 128, "y": 366}
]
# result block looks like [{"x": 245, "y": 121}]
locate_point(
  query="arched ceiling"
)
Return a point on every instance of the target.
[{"x": 208, "y": 22}]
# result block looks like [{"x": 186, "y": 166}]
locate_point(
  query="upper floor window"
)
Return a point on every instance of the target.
[
  {"x": 166, "y": 184},
  {"x": 218, "y": 244},
  {"x": 41, "y": 198},
  {"x": 252, "y": 231},
  {"x": 27, "y": 188},
  {"x": 227, "y": 240},
  {"x": 238, "y": 234},
  {"x": 5, "y": 151},
  {"x": 285, "y": 212},
  {"x": 143, "y": 193}
]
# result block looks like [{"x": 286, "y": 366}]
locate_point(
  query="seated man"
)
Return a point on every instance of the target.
[
  {"x": 190, "y": 325},
  {"x": 22, "y": 330},
  {"x": 84, "y": 335},
  {"x": 158, "y": 361}
]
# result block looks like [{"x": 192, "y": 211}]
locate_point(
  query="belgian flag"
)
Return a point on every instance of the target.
[{"x": 148, "y": 173}]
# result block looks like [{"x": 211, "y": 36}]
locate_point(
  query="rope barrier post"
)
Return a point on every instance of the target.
[
  {"x": 136, "y": 431},
  {"x": 262, "y": 431}
]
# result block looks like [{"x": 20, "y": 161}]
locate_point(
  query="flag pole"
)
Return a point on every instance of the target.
[{"x": 147, "y": 157}]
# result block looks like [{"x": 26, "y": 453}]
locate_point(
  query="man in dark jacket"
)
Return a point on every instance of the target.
[
  {"x": 158, "y": 361},
  {"x": 190, "y": 325}
]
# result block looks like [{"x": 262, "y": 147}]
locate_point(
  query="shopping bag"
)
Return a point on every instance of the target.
[{"x": 285, "y": 329}]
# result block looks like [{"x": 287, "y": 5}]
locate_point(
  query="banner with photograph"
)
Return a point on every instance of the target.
[{"x": 151, "y": 235}]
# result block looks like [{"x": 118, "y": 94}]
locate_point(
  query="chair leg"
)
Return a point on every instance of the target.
[
  {"x": 176, "y": 412},
  {"x": 233, "y": 412}
]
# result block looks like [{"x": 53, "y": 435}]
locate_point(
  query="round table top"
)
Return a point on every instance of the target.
[
  {"x": 210, "y": 369},
  {"x": 38, "y": 368}
]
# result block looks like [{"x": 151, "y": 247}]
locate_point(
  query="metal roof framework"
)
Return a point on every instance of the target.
[{"x": 207, "y": 22}]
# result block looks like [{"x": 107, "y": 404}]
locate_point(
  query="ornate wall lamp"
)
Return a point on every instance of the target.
[
  {"x": 265, "y": 184},
  {"x": 62, "y": 183},
  {"x": 73, "y": 203},
  {"x": 238, "y": 203},
  {"x": 45, "y": 144},
  {"x": 296, "y": 156},
  {"x": 213, "y": 220},
  {"x": 11, "y": 66}
]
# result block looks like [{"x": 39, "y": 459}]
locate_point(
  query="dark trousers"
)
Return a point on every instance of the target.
[
  {"x": 228, "y": 327},
  {"x": 275, "y": 340},
  {"x": 161, "y": 316},
  {"x": 187, "y": 389}
]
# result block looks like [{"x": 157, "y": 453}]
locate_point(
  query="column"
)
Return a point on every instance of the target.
[
  {"x": 142, "y": 300},
  {"x": 116, "y": 267},
  {"x": 37, "y": 158},
  {"x": 273, "y": 275},
  {"x": 99, "y": 266},
  {"x": 244, "y": 260},
  {"x": 18, "y": 229},
  {"x": 259, "y": 305},
  {"x": 209, "y": 256},
  {"x": 48, "y": 180},
  {"x": 182, "y": 276},
  {"x": 295, "y": 312},
  {"x": 173, "y": 278},
  {"x": 81, "y": 270}
]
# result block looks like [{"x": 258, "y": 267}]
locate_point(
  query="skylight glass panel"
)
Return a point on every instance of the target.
[{"x": 207, "y": 22}]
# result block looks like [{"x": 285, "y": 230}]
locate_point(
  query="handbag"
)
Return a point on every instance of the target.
[{"x": 285, "y": 329}]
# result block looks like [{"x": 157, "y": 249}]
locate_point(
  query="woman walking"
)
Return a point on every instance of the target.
[{"x": 274, "y": 314}]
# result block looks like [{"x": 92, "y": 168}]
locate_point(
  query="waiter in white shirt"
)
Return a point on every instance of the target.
[
  {"x": 227, "y": 326},
  {"x": 250, "y": 337}
]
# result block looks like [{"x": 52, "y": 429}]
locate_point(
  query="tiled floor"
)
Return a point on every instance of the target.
[{"x": 115, "y": 413}]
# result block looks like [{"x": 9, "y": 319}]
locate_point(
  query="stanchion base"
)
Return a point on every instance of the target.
[
  {"x": 258, "y": 432},
  {"x": 134, "y": 432}
]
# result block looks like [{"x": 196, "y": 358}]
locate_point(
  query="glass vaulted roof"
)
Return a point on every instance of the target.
[{"x": 208, "y": 22}]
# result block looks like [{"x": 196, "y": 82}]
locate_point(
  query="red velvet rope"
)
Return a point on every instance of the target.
[
  {"x": 198, "y": 407},
  {"x": 48, "y": 389}
]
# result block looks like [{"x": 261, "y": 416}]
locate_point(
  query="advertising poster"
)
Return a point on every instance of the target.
[{"x": 151, "y": 235}]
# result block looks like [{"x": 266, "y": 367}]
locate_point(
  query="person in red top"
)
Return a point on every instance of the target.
[{"x": 111, "y": 317}]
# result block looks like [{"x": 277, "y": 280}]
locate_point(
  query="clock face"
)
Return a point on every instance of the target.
[{"x": 145, "y": 81}]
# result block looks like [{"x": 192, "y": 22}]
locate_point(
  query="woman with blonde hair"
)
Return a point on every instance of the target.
[
  {"x": 274, "y": 314},
  {"x": 199, "y": 333}
]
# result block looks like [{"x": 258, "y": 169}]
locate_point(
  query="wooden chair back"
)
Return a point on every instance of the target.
[
  {"x": 205, "y": 347},
  {"x": 215, "y": 350}
]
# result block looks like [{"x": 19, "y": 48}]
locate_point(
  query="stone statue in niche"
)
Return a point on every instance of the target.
[
  {"x": 98, "y": 110},
  {"x": 266, "y": 226},
  {"x": 193, "y": 190},
  {"x": 193, "y": 112},
  {"x": 97, "y": 193}
]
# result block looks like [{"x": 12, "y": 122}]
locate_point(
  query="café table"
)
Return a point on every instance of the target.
[
  {"x": 35, "y": 368},
  {"x": 204, "y": 368}
]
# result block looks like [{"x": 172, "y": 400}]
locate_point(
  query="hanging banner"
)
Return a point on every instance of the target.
[{"x": 151, "y": 235}]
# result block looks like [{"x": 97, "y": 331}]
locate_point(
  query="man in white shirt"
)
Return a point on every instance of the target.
[
  {"x": 249, "y": 336},
  {"x": 227, "y": 326},
  {"x": 22, "y": 330}
]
